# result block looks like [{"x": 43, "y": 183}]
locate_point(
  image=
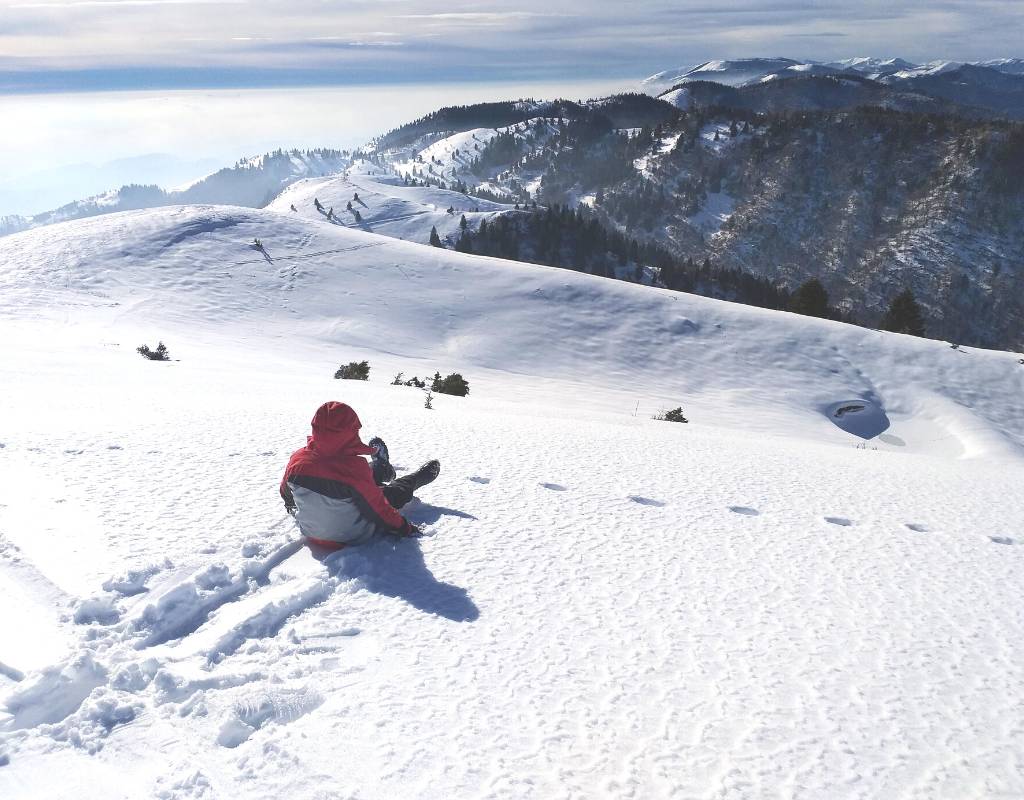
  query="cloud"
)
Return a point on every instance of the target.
[
  {"x": 127, "y": 3},
  {"x": 823, "y": 34},
  {"x": 479, "y": 16},
  {"x": 406, "y": 39}
]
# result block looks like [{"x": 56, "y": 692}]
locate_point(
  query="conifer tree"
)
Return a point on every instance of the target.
[
  {"x": 810, "y": 299},
  {"x": 435, "y": 240},
  {"x": 904, "y": 315}
]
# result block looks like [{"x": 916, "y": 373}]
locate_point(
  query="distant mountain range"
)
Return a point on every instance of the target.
[
  {"x": 742, "y": 180},
  {"x": 992, "y": 88},
  {"x": 746, "y": 71},
  {"x": 840, "y": 177}
]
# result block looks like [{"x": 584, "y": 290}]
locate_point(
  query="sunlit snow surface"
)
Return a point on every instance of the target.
[{"x": 812, "y": 590}]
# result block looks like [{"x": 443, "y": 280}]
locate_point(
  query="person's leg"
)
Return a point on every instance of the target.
[
  {"x": 383, "y": 472},
  {"x": 400, "y": 492}
]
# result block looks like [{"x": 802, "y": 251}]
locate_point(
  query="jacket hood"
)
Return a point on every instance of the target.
[{"x": 336, "y": 431}]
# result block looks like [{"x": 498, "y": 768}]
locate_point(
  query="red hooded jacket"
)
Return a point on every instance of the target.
[{"x": 335, "y": 453}]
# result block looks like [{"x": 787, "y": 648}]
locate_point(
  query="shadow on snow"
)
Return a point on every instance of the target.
[{"x": 395, "y": 568}]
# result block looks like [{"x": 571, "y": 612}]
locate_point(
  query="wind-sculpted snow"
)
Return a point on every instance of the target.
[{"x": 763, "y": 602}]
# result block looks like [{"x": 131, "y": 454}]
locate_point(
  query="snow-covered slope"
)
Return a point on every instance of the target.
[
  {"x": 872, "y": 67},
  {"x": 1010, "y": 66},
  {"x": 385, "y": 204},
  {"x": 749, "y": 71},
  {"x": 251, "y": 182},
  {"x": 802, "y": 592},
  {"x": 922, "y": 70},
  {"x": 450, "y": 159},
  {"x": 739, "y": 72}
]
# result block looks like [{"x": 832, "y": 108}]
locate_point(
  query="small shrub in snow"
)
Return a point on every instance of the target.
[
  {"x": 398, "y": 380},
  {"x": 675, "y": 415},
  {"x": 414, "y": 381},
  {"x": 453, "y": 384},
  {"x": 354, "y": 371},
  {"x": 429, "y": 402},
  {"x": 160, "y": 354}
]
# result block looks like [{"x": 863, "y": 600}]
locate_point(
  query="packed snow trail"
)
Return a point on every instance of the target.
[{"x": 758, "y": 603}]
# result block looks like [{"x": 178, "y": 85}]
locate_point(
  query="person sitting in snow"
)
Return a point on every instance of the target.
[{"x": 337, "y": 499}]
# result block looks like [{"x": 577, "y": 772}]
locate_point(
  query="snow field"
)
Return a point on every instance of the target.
[
  {"x": 190, "y": 273},
  {"x": 385, "y": 205},
  {"x": 602, "y": 604},
  {"x": 624, "y": 607}
]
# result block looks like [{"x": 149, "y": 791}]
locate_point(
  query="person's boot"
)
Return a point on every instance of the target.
[
  {"x": 427, "y": 473},
  {"x": 383, "y": 472}
]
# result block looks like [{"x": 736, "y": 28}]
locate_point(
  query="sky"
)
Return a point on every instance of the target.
[
  {"x": 87, "y": 45},
  {"x": 97, "y": 93}
]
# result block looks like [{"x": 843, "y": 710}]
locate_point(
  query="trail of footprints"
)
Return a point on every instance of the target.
[
  {"x": 844, "y": 522},
  {"x": 187, "y": 620}
]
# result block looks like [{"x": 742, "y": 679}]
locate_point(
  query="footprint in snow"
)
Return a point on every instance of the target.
[
  {"x": 478, "y": 479},
  {"x": 745, "y": 511},
  {"x": 646, "y": 501},
  {"x": 555, "y": 487},
  {"x": 114, "y": 447},
  {"x": 1001, "y": 540},
  {"x": 74, "y": 452},
  {"x": 841, "y": 521},
  {"x": 915, "y": 527},
  {"x": 280, "y": 706}
]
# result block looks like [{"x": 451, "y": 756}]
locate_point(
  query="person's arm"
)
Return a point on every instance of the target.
[{"x": 286, "y": 495}]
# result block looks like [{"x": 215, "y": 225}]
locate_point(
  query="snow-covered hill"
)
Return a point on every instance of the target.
[
  {"x": 803, "y": 591},
  {"x": 252, "y": 182},
  {"x": 739, "y": 72},
  {"x": 386, "y": 204}
]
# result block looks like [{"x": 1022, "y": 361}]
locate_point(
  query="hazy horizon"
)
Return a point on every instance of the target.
[{"x": 57, "y": 148}]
